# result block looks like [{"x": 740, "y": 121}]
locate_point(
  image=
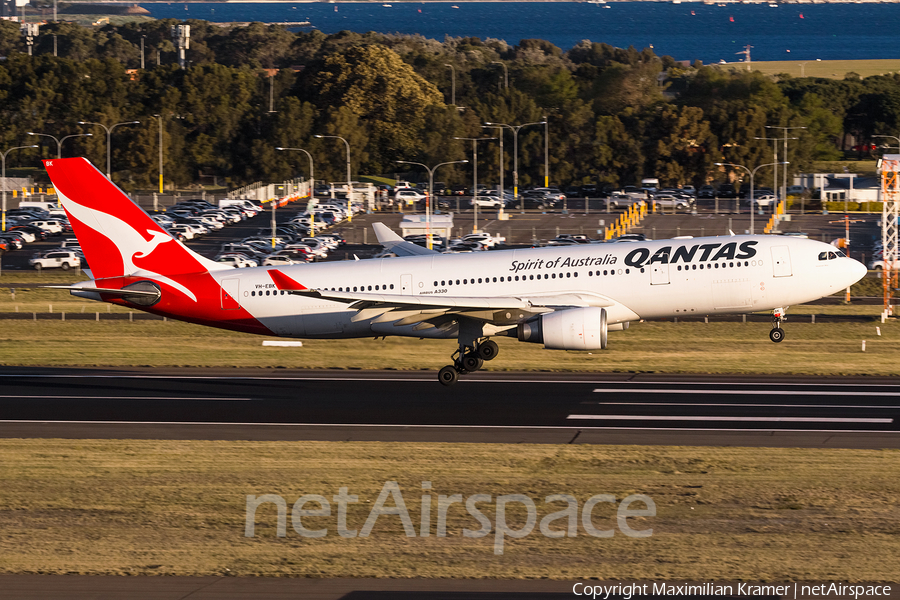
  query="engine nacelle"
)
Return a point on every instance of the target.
[{"x": 570, "y": 329}]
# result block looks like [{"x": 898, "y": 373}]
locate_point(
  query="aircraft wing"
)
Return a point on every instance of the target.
[
  {"x": 417, "y": 309},
  {"x": 396, "y": 244}
]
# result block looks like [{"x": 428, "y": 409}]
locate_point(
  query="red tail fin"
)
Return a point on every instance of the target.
[{"x": 116, "y": 235}]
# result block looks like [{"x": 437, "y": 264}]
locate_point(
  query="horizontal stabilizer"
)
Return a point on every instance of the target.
[{"x": 396, "y": 244}]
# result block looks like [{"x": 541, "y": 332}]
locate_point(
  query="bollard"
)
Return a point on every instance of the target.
[
  {"x": 130, "y": 317},
  {"x": 63, "y": 313},
  {"x": 98, "y": 315},
  {"x": 878, "y": 331},
  {"x": 51, "y": 308},
  {"x": 744, "y": 318},
  {"x": 34, "y": 316},
  {"x": 864, "y": 345},
  {"x": 706, "y": 320},
  {"x": 813, "y": 319}
]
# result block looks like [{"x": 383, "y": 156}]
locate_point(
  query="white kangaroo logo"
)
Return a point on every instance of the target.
[{"x": 125, "y": 238}]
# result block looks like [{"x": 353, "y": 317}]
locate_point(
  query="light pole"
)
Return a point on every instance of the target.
[
  {"x": 784, "y": 156},
  {"x": 475, "y": 176},
  {"x": 160, "y": 153},
  {"x": 430, "y": 191},
  {"x": 546, "y": 151},
  {"x": 108, "y": 140},
  {"x": 3, "y": 178},
  {"x": 312, "y": 184},
  {"x": 752, "y": 175},
  {"x": 505, "y": 72},
  {"x": 452, "y": 84},
  {"x": 349, "y": 185},
  {"x": 515, "y": 129},
  {"x": 499, "y": 137},
  {"x": 60, "y": 141},
  {"x": 893, "y": 137}
]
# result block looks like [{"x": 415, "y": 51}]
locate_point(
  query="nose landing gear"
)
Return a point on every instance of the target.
[
  {"x": 777, "y": 333},
  {"x": 467, "y": 360}
]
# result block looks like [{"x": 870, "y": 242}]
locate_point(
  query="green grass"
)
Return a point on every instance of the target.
[
  {"x": 810, "y": 349},
  {"x": 178, "y": 508},
  {"x": 830, "y": 69}
]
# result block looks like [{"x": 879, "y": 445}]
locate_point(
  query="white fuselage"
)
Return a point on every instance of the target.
[{"x": 639, "y": 280}]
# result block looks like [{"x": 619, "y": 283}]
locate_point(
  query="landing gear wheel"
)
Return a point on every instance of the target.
[
  {"x": 488, "y": 350},
  {"x": 472, "y": 362},
  {"x": 776, "y": 335},
  {"x": 448, "y": 375}
]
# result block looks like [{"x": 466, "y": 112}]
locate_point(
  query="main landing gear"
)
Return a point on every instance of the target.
[
  {"x": 777, "y": 333},
  {"x": 467, "y": 360}
]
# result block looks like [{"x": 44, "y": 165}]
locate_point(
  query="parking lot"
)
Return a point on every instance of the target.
[{"x": 534, "y": 227}]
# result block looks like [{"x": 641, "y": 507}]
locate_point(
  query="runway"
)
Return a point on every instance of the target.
[{"x": 256, "y": 404}]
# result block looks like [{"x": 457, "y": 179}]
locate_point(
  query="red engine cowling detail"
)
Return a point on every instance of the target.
[{"x": 570, "y": 329}]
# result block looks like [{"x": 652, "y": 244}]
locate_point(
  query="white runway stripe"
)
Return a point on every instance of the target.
[
  {"x": 735, "y": 419},
  {"x": 745, "y": 392}
]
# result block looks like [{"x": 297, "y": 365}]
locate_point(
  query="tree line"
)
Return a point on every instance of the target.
[{"x": 615, "y": 115}]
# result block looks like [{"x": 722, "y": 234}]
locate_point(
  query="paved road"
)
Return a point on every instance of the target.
[{"x": 483, "y": 407}]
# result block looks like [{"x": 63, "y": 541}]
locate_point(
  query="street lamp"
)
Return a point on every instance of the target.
[
  {"x": 430, "y": 191},
  {"x": 505, "y": 72},
  {"x": 452, "y": 84},
  {"x": 108, "y": 140},
  {"x": 515, "y": 129},
  {"x": 312, "y": 184},
  {"x": 475, "y": 176},
  {"x": 775, "y": 158},
  {"x": 893, "y": 137},
  {"x": 499, "y": 137},
  {"x": 785, "y": 138},
  {"x": 3, "y": 178},
  {"x": 752, "y": 175},
  {"x": 60, "y": 141},
  {"x": 349, "y": 185}
]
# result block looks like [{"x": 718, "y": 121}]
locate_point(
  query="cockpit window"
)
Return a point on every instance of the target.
[
  {"x": 832, "y": 256},
  {"x": 840, "y": 254},
  {"x": 823, "y": 256}
]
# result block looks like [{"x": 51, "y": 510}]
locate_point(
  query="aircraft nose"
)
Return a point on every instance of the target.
[{"x": 856, "y": 271}]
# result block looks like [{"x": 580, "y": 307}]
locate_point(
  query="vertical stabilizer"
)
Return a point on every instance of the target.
[{"x": 116, "y": 235}]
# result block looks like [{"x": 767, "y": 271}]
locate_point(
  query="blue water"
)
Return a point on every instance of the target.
[{"x": 687, "y": 31}]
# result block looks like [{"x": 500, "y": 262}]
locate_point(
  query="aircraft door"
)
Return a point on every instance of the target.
[
  {"x": 230, "y": 292},
  {"x": 659, "y": 274},
  {"x": 406, "y": 285},
  {"x": 781, "y": 261}
]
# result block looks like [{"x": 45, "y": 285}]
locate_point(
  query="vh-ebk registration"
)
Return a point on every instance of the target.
[{"x": 566, "y": 298}]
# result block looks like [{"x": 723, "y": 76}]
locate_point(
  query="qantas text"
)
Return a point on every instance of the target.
[{"x": 701, "y": 252}]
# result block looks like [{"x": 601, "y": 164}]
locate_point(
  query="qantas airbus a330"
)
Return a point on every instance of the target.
[{"x": 566, "y": 298}]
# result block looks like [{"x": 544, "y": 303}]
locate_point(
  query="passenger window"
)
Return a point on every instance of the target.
[
  {"x": 392, "y": 286},
  {"x": 531, "y": 277},
  {"x": 479, "y": 280},
  {"x": 517, "y": 277},
  {"x": 457, "y": 282},
  {"x": 354, "y": 288}
]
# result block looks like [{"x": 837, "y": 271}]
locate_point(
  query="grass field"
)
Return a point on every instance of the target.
[
  {"x": 178, "y": 508},
  {"x": 831, "y": 69},
  {"x": 811, "y": 349}
]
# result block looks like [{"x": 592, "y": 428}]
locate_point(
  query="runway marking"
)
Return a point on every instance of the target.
[
  {"x": 409, "y": 426},
  {"x": 121, "y": 398},
  {"x": 708, "y": 405},
  {"x": 748, "y": 392},
  {"x": 737, "y": 419}
]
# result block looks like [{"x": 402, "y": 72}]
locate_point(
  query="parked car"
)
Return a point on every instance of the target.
[
  {"x": 238, "y": 261},
  {"x": 706, "y": 191},
  {"x": 408, "y": 196},
  {"x": 486, "y": 202},
  {"x": 62, "y": 259}
]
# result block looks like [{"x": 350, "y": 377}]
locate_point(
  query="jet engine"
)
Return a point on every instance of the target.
[{"x": 569, "y": 329}]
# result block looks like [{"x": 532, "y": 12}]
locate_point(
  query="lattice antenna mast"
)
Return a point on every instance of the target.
[{"x": 890, "y": 195}]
